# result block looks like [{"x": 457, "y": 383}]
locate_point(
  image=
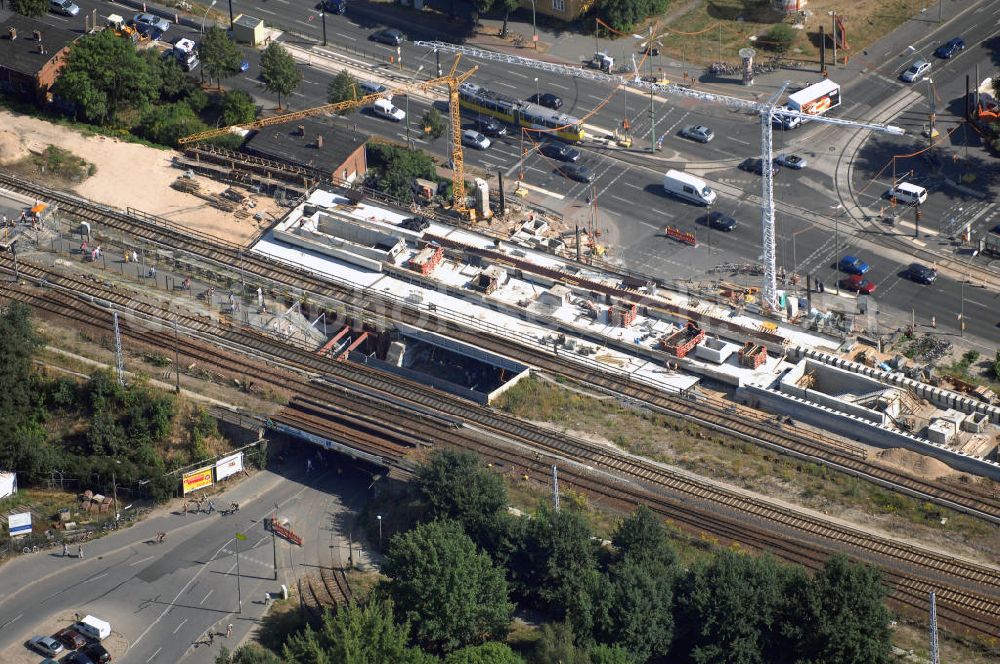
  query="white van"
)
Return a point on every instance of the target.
[
  {"x": 688, "y": 187},
  {"x": 384, "y": 108},
  {"x": 93, "y": 628},
  {"x": 907, "y": 193}
]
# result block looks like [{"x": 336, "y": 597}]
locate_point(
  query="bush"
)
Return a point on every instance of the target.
[
  {"x": 237, "y": 108},
  {"x": 779, "y": 38},
  {"x": 166, "y": 124}
]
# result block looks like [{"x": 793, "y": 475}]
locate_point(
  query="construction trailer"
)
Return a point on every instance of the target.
[
  {"x": 752, "y": 355},
  {"x": 680, "y": 343}
]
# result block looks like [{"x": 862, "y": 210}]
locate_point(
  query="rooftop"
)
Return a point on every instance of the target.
[
  {"x": 287, "y": 143},
  {"x": 22, "y": 55}
]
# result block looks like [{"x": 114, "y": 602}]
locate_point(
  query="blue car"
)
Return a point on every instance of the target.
[
  {"x": 853, "y": 265},
  {"x": 951, "y": 48}
]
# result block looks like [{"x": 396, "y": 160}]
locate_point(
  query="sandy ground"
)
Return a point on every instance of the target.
[{"x": 128, "y": 175}]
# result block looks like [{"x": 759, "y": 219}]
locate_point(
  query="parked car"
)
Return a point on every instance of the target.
[
  {"x": 719, "y": 221},
  {"x": 917, "y": 71},
  {"x": 858, "y": 284},
  {"x": 45, "y": 645},
  {"x": 792, "y": 161},
  {"x": 390, "y": 36},
  {"x": 150, "y": 32},
  {"x": 949, "y": 49},
  {"x": 554, "y": 150},
  {"x": 383, "y": 108},
  {"x": 64, "y": 7},
  {"x": 699, "y": 133},
  {"x": 784, "y": 121},
  {"x": 489, "y": 126},
  {"x": 144, "y": 18},
  {"x": 77, "y": 658},
  {"x": 921, "y": 274},
  {"x": 70, "y": 638},
  {"x": 577, "y": 172},
  {"x": 370, "y": 88},
  {"x": 853, "y": 265},
  {"x": 756, "y": 165},
  {"x": 547, "y": 99},
  {"x": 96, "y": 652},
  {"x": 474, "y": 139},
  {"x": 334, "y": 6}
]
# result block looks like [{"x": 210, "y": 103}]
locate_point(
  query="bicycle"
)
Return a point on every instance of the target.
[{"x": 30, "y": 549}]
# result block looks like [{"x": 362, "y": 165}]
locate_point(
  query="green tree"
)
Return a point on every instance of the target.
[
  {"x": 433, "y": 120},
  {"x": 251, "y": 653},
  {"x": 355, "y": 635},
  {"x": 220, "y": 56},
  {"x": 642, "y": 536},
  {"x": 623, "y": 15},
  {"x": 168, "y": 123},
  {"x": 487, "y": 653},
  {"x": 452, "y": 595},
  {"x": 779, "y": 38},
  {"x": 507, "y": 6},
  {"x": 19, "y": 343},
  {"x": 238, "y": 108},
  {"x": 103, "y": 74},
  {"x": 278, "y": 70},
  {"x": 392, "y": 169},
  {"x": 605, "y": 654},
  {"x": 30, "y": 7},
  {"x": 640, "y": 616},
  {"x": 343, "y": 87},
  {"x": 851, "y": 624},
  {"x": 455, "y": 485},
  {"x": 167, "y": 76},
  {"x": 557, "y": 644}
]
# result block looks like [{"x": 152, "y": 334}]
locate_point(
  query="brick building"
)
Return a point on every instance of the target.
[
  {"x": 564, "y": 10},
  {"x": 337, "y": 152},
  {"x": 31, "y": 53}
]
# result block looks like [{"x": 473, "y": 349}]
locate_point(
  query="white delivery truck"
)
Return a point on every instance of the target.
[
  {"x": 687, "y": 187},
  {"x": 93, "y": 628},
  {"x": 816, "y": 99},
  {"x": 185, "y": 51}
]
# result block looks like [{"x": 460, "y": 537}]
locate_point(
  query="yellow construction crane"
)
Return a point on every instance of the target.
[{"x": 451, "y": 80}]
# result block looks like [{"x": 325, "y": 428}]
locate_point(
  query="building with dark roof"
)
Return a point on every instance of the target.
[
  {"x": 337, "y": 152},
  {"x": 31, "y": 53}
]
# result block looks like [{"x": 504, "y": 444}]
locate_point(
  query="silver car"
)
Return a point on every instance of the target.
[
  {"x": 699, "y": 133},
  {"x": 152, "y": 21},
  {"x": 64, "y": 7},
  {"x": 474, "y": 139},
  {"x": 45, "y": 645},
  {"x": 917, "y": 71}
]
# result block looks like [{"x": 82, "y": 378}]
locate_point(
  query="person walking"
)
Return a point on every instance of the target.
[
  {"x": 211, "y": 506},
  {"x": 229, "y": 630},
  {"x": 267, "y": 599},
  {"x": 211, "y": 637},
  {"x": 135, "y": 256},
  {"x": 79, "y": 551},
  {"x": 309, "y": 465},
  {"x": 65, "y": 549}
]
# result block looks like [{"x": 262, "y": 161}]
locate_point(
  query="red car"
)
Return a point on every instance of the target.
[
  {"x": 70, "y": 638},
  {"x": 858, "y": 284}
]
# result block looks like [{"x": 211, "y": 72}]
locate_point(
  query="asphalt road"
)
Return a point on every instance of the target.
[{"x": 164, "y": 598}]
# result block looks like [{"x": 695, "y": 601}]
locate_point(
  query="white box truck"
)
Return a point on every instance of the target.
[
  {"x": 93, "y": 628},
  {"x": 687, "y": 187},
  {"x": 816, "y": 99}
]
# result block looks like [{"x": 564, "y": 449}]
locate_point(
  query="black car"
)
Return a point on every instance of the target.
[
  {"x": 546, "y": 99},
  {"x": 949, "y": 49},
  {"x": 96, "y": 652},
  {"x": 720, "y": 222},
  {"x": 77, "y": 658},
  {"x": 390, "y": 36},
  {"x": 577, "y": 172},
  {"x": 559, "y": 151},
  {"x": 921, "y": 274},
  {"x": 756, "y": 165},
  {"x": 489, "y": 126}
]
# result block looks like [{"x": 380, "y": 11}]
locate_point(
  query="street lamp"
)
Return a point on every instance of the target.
[
  {"x": 409, "y": 143},
  {"x": 208, "y": 9},
  {"x": 961, "y": 314},
  {"x": 538, "y": 95},
  {"x": 379, "y": 517},
  {"x": 322, "y": 16},
  {"x": 534, "y": 33}
]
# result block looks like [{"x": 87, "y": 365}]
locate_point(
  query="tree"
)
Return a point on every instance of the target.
[
  {"x": 220, "y": 56},
  {"x": 623, "y": 15},
  {"x": 392, "y": 169},
  {"x": 456, "y": 486},
  {"x": 642, "y": 536},
  {"x": 641, "y": 599},
  {"x": 432, "y": 119},
  {"x": 238, "y": 108},
  {"x": 279, "y": 71},
  {"x": 483, "y": 6},
  {"x": 30, "y": 7},
  {"x": 851, "y": 624},
  {"x": 343, "y": 87},
  {"x": 104, "y": 74},
  {"x": 168, "y": 123},
  {"x": 251, "y": 653},
  {"x": 779, "y": 38},
  {"x": 557, "y": 644},
  {"x": 487, "y": 653},
  {"x": 605, "y": 654},
  {"x": 19, "y": 343},
  {"x": 452, "y": 595},
  {"x": 355, "y": 634}
]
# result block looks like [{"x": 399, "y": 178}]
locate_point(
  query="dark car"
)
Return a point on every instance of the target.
[
  {"x": 853, "y": 265},
  {"x": 858, "y": 284},
  {"x": 489, "y": 126},
  {"x": 77, "y": 658},
  {"x": 949, "y": 49},
  {"x": 70, "y": 638},
  {"x": 719, "y": 221},
  {"x": 390, "y": 36},
  {"x": 334, "y": 6},
  {"x": 96, "y": 652},
  {"x": 921, "y": 273},
  {"x": 546, "y": 99},
  {"x": 559, "y": 151},
  {"x": 577, "y": 172},
  {"x": 756, "y": 165},
  {"x": 150, "y": 32}
]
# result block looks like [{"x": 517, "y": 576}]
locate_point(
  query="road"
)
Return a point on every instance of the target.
[{"x": 164, "y": 598}]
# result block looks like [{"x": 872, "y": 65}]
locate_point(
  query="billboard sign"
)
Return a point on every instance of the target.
[
  {"x": 197, "y": 479},
  {"x": 227, "y": 466},
  {"x": 19, "y": 524}
]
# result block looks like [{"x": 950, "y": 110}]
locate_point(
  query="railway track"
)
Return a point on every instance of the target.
[
  {"x": 965, "y": 588},
  {"x": 722, "y": 416}
]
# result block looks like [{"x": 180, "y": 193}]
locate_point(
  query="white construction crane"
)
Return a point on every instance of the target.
[{"x": 769, "y": 290}]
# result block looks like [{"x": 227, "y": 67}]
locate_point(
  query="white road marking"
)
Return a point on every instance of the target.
[
  {"x": 178, "y": 628},
  {"x": 517, "y": 73},
  {"x": 12, "y": 620},
  {"x": 595, "y": 97},
  {"x": 95, "y": 578},
  {"x": 267, "y": 11},
  {"x": 506, "y": 85},
  {"x": 623, "y": 200},
  {"x": 205, "y": 598},
  {"x": 557, "y": 85},
  {"x": 531, "y": 187},
  {"x": 984, "y": 306},
  {"x": 736, "y": 140},
  {"x": 341, "y": 34},
  {"x": 635, "y": 186},
  {"x": 153, "y": 655},
  {"x": 646, "y": 223},
  {"x": 139, "y": 562}
]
